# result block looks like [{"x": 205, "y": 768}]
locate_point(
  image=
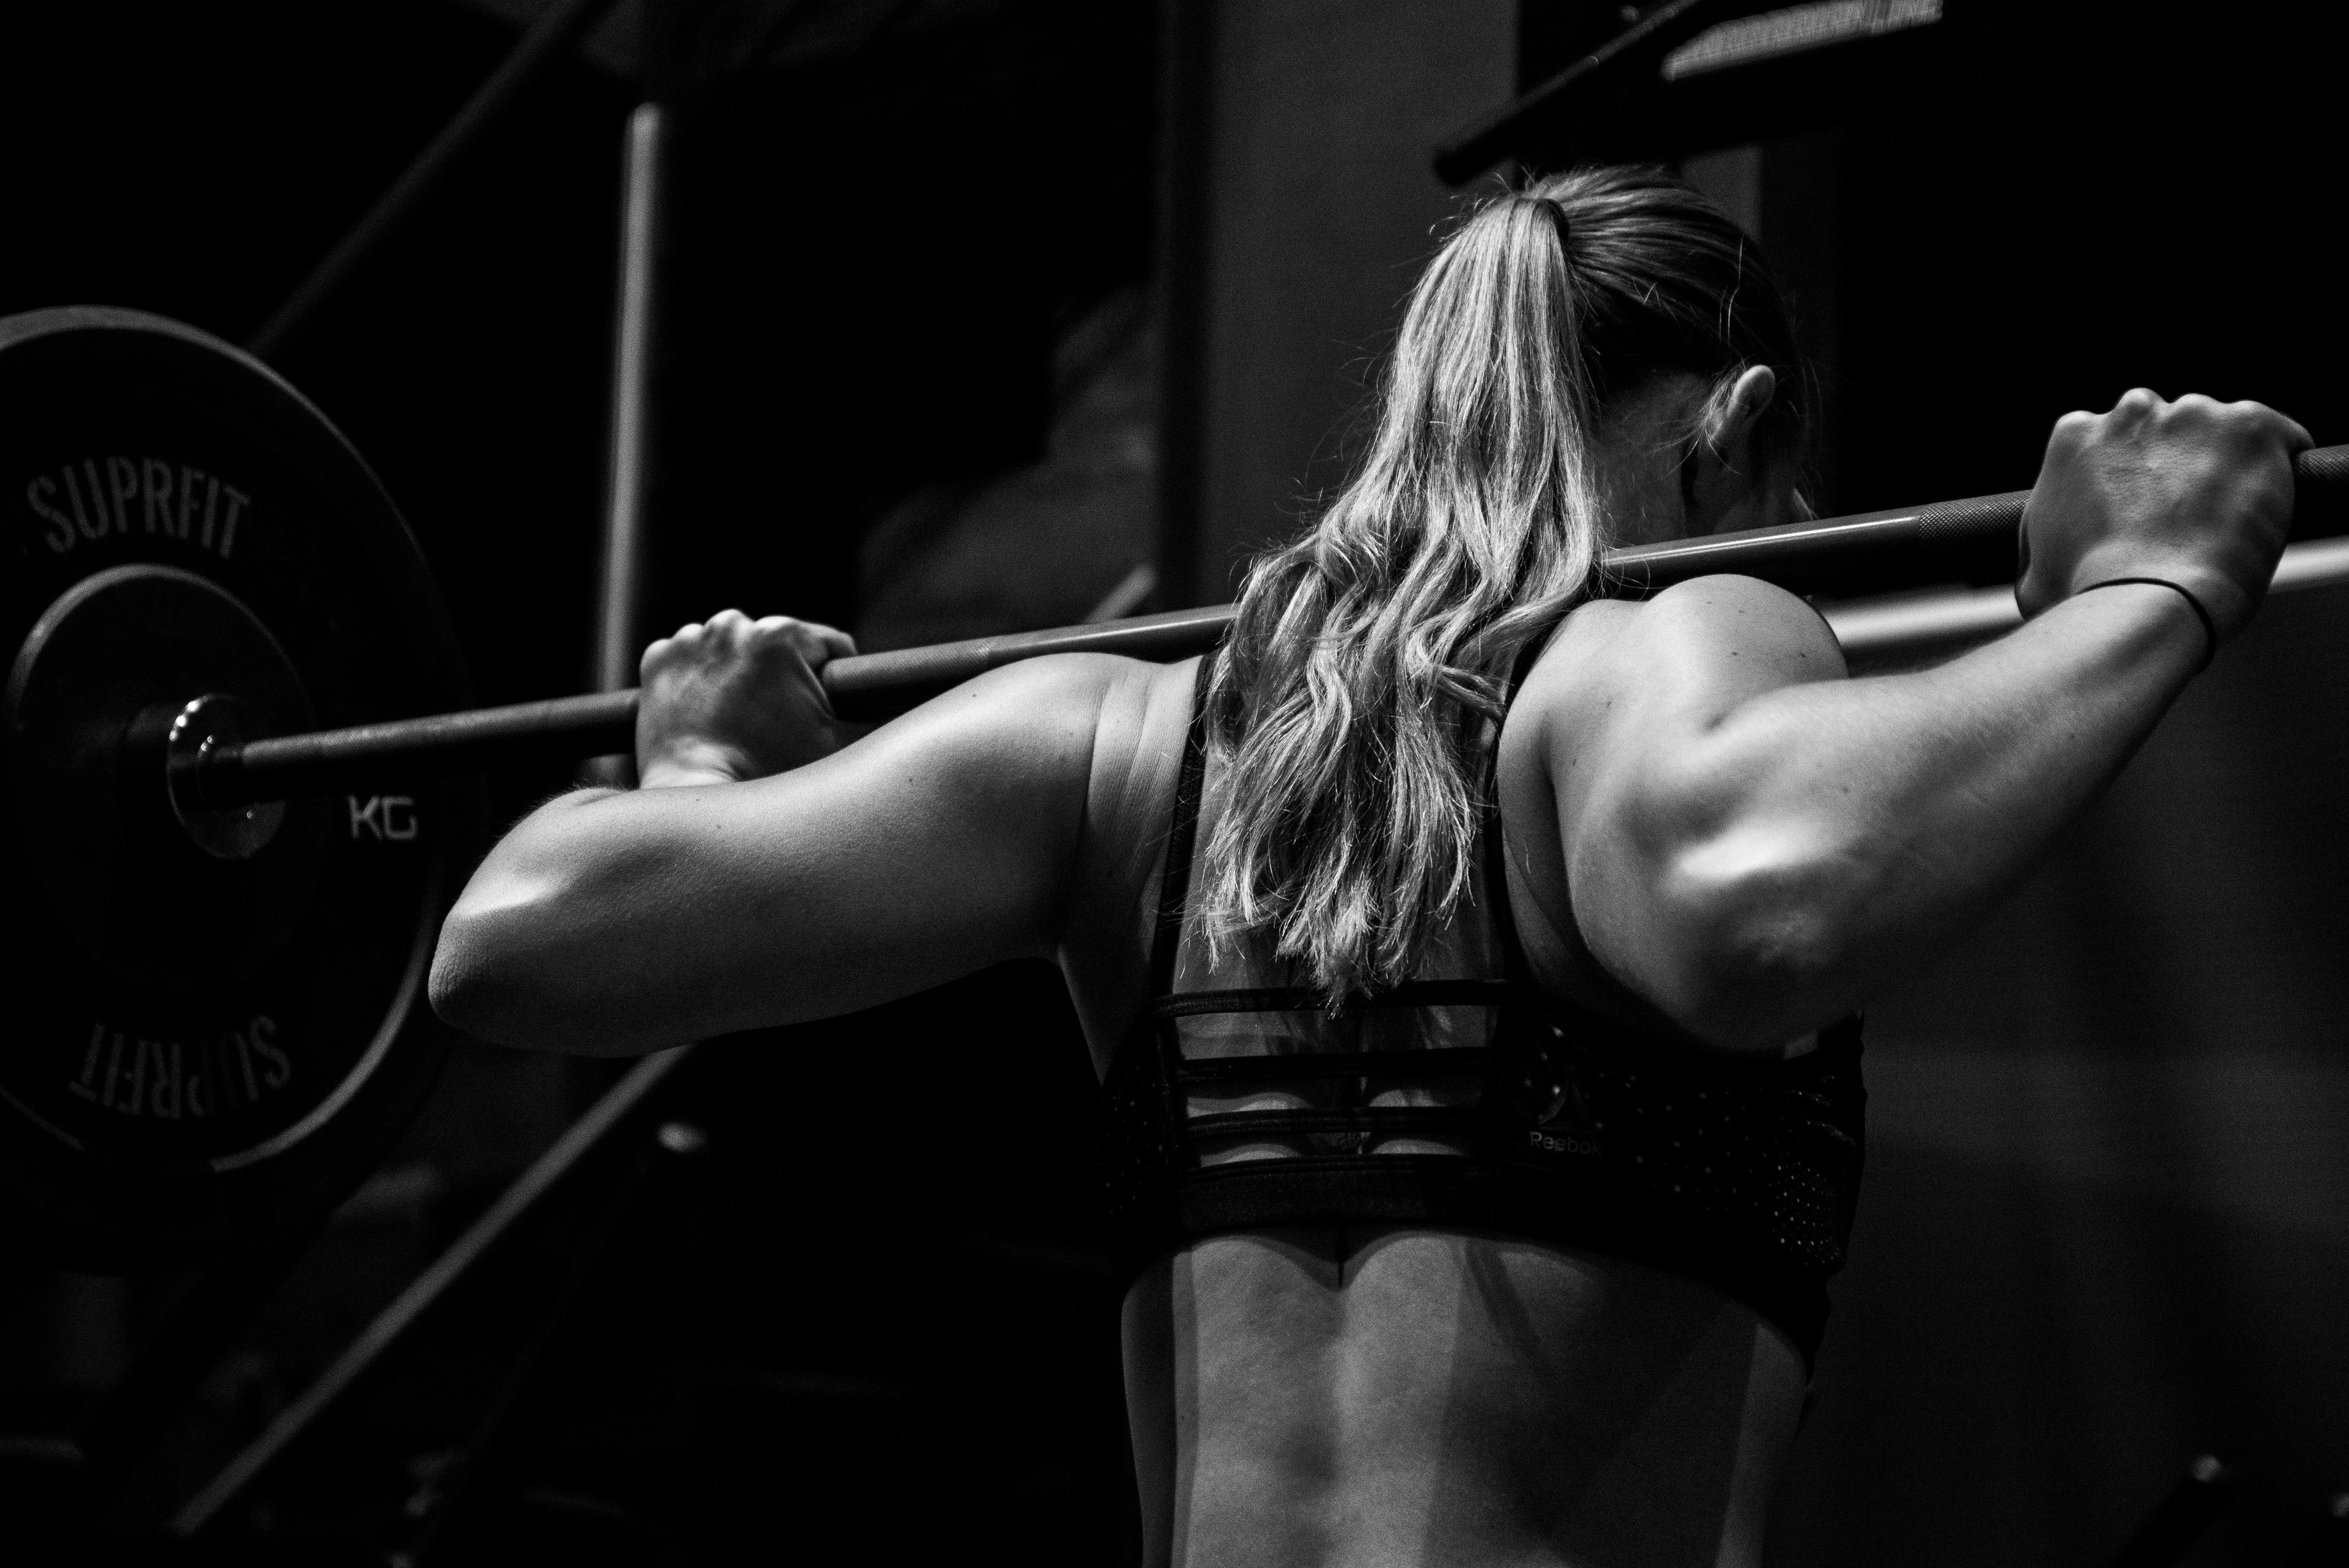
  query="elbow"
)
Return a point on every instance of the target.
[
  {"x": 480, "y": 983},
  {"x": 505, "y": 973},
  {"x": 523, "y": 961},
  {"x": 503, "y": 988}
]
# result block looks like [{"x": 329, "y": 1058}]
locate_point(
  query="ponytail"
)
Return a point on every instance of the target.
[{"x": 1369, "y": 656}]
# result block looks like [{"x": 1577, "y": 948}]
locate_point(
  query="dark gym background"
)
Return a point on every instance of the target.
[{"x": 988, "y": 314}]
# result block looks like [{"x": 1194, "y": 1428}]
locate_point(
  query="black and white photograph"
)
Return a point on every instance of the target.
[{"x": 1174, "y": 783}]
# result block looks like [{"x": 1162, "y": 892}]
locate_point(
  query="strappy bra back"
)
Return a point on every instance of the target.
[{"x": 1467, "y": 1098}]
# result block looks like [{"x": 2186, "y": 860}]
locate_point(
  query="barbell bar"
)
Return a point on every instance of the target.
[{"x": 1969, "y": 542}]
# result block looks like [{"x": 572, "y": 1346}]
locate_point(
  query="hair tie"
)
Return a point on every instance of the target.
[{"x": 1561, "y": 223}]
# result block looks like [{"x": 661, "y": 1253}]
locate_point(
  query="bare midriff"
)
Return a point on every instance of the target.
[{"x": 1317, "y": 1395}]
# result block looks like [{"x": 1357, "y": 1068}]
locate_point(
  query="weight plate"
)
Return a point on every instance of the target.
[{"x": 205, "y": 1048}]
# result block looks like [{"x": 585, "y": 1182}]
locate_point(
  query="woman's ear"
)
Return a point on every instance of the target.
[
  {"x": 1722, "y": 484},
  {"x": 1734, "y": 417}
]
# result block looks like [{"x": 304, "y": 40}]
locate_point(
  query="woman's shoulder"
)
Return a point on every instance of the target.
[
  {"x": 1141, "y": 725},
  {"x": 1100, "y": 730},
  {"x": 1084, "y": 704},
  {"x": 1616, "y": 680},
  {"x": 1144, "y": 719},
  {"x": 1134, "y": 717},
  {"x": 1609, "y": 648}
]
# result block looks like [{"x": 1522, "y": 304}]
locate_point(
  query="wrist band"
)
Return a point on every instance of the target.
[{"x": 2209, "y": 630}]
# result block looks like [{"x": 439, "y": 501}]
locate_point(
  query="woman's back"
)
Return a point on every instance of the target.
[
  {"x": 1340, "y": 1394},
  {"x": 1362, "y": 1392}
]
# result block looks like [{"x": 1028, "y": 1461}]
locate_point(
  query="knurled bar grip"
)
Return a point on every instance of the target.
[{"x": 1878, "y": 552}]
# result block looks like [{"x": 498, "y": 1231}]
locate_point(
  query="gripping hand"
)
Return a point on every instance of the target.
[
  {"x": 731, "y": 699},
  {"x": 2195, "y": 493}
]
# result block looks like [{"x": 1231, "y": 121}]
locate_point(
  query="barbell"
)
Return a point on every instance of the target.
[
  {"x": 1970, "y": 542},
  {"x": 234, "y": 835}
]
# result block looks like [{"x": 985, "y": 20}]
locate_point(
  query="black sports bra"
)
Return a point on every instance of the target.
[{"x": 1467, "y": 1098}]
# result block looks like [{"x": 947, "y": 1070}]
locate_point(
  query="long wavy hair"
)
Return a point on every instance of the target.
[{"x": 1369, "y": 654}]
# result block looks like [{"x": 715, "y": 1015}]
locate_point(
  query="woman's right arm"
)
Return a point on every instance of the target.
[{"x": 1757, "y": 845}]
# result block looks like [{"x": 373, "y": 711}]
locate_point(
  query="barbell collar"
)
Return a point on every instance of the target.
[{"x": 1969, "y": 542}]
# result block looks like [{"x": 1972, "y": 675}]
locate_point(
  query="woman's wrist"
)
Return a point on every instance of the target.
[
  {"x": 2141, "y": 621},
  {"x": 2180, "y": 594}
]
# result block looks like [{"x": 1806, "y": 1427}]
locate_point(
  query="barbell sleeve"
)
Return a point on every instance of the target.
[{"x": 1967, "y": 542}]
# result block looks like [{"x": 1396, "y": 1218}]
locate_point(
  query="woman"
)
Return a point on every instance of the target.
[{"x": 1483, "y": 1126}]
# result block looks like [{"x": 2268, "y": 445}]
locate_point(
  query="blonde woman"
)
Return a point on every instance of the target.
[{"x": 1470, "y": 959}]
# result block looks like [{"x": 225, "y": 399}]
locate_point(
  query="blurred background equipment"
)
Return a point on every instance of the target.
[
  {"x": 2327, "y": 1545},
  {"x": 962, "y": 318},
  {"x": 2170, "y": 1531}
]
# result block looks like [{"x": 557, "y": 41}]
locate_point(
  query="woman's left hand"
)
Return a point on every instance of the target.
[{"x": 731, "y": 699}]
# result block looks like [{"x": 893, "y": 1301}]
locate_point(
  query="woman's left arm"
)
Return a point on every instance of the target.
[{"x": 615, "y": 923}]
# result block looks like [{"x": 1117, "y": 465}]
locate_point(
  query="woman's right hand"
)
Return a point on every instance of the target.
[{"x": 2196, "y": 493}]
